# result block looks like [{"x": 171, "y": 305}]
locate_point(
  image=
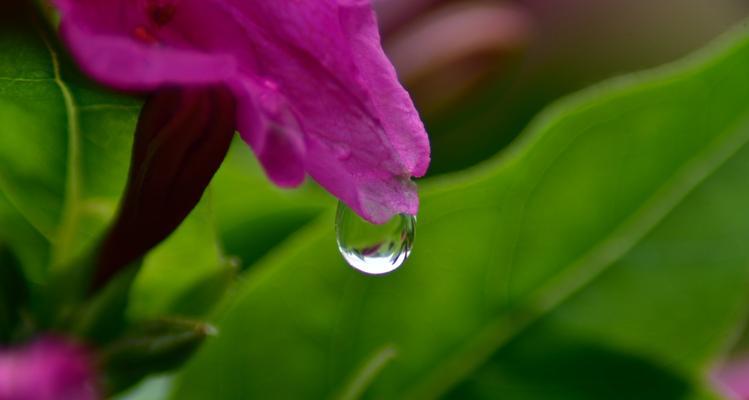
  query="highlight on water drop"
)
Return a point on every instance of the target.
[{"x": 374, "y": 249}]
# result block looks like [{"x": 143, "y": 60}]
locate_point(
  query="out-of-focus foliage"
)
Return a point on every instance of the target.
[
  {"x": 602, "y": 256},
  {"x": 535, "y": 52},
  {"x": 64, "y": 152}
]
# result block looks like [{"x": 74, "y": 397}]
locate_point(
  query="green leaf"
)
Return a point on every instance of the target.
[
  {"x": 13, "y": 297},
  {"x": 151, "y": 347},
  {"x": 64, "y": 151},
  {"x": 240, "y": 218},
  {"x": 191, "y": 258},
  {"x": 103, "y": 317},
  {"x": 28, "y": 244},
  {"x": 252, "y": 215},
  {"x": 154, "y": 388},
  {"x": 62, "y": 176},
  {"x": 553, "y": 367},
  {"x": 619, "y": 220}
]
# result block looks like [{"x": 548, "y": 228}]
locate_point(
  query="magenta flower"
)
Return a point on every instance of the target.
[
  {"x": 47, "y": 369},
  {"x": 732, "y": 379},
  {"x": 314, "y": 91}
]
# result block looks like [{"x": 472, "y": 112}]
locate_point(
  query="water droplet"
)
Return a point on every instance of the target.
[{"x": 374, "y": 249}]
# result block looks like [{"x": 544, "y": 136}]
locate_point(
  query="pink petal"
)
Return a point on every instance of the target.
[
  {"x": 268, "y": 125},
  {"x": 315, "y": 92},
  {"x": 47, "y": 369},
  {"x": 104, "y": 39},
  {"x": 732, "y": 379}
]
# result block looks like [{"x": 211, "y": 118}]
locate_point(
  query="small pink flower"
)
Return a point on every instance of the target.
[
  {"x": 47, "y": 369},
  {"x": 731, "y": 379},
  {"x": 315, "y": 93}
]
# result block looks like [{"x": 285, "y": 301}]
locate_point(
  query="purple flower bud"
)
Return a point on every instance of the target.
[{"x": 49, "y": 368}]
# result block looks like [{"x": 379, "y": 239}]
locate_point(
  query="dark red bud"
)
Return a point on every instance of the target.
[{"x": 182, "y": 137}]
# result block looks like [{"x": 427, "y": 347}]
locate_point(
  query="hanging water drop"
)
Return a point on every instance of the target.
[{"x": 374, "y": 249}]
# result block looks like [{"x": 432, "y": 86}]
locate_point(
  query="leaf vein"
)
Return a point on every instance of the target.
[
  {"x": 73, "y": 191},
  {"x": 584, "y": 270},
  {"x": 35, "y": 80}
]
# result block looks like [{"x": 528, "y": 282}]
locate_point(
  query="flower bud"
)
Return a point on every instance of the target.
[{"x": 182, "y": 137}]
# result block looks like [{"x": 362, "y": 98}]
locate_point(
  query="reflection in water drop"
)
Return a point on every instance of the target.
[{"x": 374, "y": 249}]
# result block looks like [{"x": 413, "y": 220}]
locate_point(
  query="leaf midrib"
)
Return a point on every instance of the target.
[
  {"x": 584, "y": 270},
  {"x": 62, "y": 246}
]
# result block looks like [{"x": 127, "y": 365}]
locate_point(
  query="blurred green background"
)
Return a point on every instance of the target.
[{"x": 593, "y": 247}]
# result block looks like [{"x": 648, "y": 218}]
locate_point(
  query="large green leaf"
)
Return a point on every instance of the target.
[
  {"x": 611, "y": 239},
  {"x": 64, "y": 151}
]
